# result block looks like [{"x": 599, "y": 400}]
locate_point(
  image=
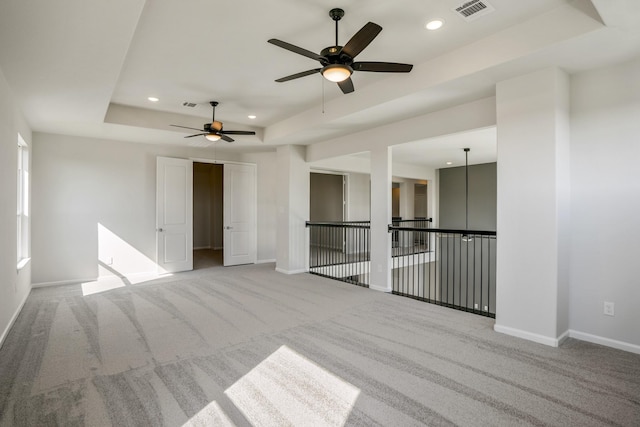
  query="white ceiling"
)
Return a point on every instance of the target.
[{"x": 86, "y": 67}]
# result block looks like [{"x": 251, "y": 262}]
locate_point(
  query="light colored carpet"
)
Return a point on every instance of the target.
[{"x": 249, "y": 346}]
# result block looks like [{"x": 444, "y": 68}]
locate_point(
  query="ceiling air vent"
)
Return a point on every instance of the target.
[
  {"x": 473, "y": 9},
  {"x": 189, "y": 104}
]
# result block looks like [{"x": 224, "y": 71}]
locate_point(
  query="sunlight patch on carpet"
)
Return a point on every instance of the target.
[
  {"x": 210, "y": 415},
  {"x": 288, "y": 389}
]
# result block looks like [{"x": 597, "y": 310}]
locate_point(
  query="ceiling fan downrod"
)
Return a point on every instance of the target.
[
  {"x": 213, "y": 104},
  {"x": 336, "y": 14}
]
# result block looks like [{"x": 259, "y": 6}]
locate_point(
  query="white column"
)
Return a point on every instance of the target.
[
  {"x": 380, "y": 279},
  {"x": 293, "y": 210},
  {"x": 533, "y": 206}
]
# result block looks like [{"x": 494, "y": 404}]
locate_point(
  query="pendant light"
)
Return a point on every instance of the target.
[{"x": 466, "y": 237}]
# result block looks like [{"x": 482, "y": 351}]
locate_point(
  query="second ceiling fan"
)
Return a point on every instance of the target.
[
  {"x": 338, "y": 61},
  {"x": 214, "y": 131}
]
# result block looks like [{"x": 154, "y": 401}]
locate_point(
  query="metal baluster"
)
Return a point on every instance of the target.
[{"x": 481, "y": 274}]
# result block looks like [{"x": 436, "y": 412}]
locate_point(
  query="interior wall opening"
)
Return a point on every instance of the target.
[{"x": 327, "y": 197}]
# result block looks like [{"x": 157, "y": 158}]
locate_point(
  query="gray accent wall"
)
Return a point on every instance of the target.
[
  {"x": 326, "y": 197},
  {"x": 482, "y": 197}
]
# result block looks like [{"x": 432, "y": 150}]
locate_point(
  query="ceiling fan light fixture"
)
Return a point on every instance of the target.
[
  {"x": 337, "y": 72},
  {"x": 212, "y": 137}
]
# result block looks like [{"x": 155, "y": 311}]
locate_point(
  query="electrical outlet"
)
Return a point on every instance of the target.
[
  {"x": 475, "y": 306},
  {"x": 609, "y": 308},
  {"x": 486, "y": 308}
]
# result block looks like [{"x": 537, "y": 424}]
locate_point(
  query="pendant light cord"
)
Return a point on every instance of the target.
[{"x": 466, "y": 188}]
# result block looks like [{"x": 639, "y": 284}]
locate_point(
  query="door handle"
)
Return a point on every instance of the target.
[
  {"x": 160, "y": 230},
  {"x": 228, "y": 227}
]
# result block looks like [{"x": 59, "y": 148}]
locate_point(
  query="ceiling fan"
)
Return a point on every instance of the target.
[
  {"x": 338, "y": 61},
  {"x": 214, "y": 131}
]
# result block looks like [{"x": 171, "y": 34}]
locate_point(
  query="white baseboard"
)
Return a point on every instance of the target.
[
  {"x": 555, "y": 342},
  {"x": 13, "y": 319},
  {"x": 562, "y": 338},
  {"x": 265, "y": 261},
  {"x": 540, "y": 339},
  {"x": 620, "y": 345},
  {"x": 380, "y": 289},
  {"x": 283, "y": 271},
  {"x": 62, "y": 282}
]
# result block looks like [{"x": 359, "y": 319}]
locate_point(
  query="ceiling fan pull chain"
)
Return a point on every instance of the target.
[{"x": 322, "y": 80}]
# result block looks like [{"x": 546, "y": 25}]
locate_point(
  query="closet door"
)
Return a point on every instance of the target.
[
  {"x": 239, "y": 214},
  {"x": 174, "y": 215}
]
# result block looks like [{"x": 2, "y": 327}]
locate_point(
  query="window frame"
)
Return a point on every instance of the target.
[{"x": 23, "y": 249}]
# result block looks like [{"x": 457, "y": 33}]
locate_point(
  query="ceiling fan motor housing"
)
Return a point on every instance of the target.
[
  {"x": 334, "y": 55},
  {"x": 214, "y": 126}
]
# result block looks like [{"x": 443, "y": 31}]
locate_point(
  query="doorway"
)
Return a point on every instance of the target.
[
  {"x": 208, "y": 221},
  {"x": 175, "y": 213},
  {"x": 326, "y": 204},
  {"x": 327, "y": 197}
]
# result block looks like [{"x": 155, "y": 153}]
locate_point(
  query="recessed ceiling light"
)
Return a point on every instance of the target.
[
  {"x": 251, "y": 116},
  {"x": 449, "y": 163},
  {"x": 153, "y": 99},
  {"x": 434, "y": 25}
]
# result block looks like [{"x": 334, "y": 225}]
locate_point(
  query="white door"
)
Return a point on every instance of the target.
[
  {"x": 174, "y": 214},
  {"x": 239, "y": 214}
]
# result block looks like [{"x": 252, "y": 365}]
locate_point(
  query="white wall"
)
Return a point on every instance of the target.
[
  {"x": 267, "y": 195},
  {"x": 605, "y": 180},
  {"x": 14, "y": 285},
  {"x": 359, "y": 197},
  {"x": 80, "y": 184}
]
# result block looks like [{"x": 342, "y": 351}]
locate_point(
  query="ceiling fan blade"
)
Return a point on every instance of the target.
[
  {"x": 298, "y": 75},
  {"x": 346, "y": 85},
  {"x": 237, "y": 132},
  {"x": 361, "y": 39},
  {"x": 296, "y": 49},
  {"x": 382, "y": 67},
  {"x": 224, "y": 137},
  {"x": 185, "y": 127},
  {"x": 197, "y": 134}
]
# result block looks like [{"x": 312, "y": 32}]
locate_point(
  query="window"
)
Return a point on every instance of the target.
[{"x": 23, "y": 203}]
